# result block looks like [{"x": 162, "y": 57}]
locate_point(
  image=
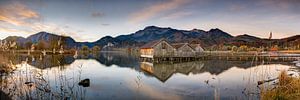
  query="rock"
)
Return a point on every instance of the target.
[
  {"x": 30, "y": 84},
  {"x": 266, "y": 81},
  {"x": 84, "y": 83},
  {"x": 206, "y": 81},
  {"x": 260, "y": 82}
]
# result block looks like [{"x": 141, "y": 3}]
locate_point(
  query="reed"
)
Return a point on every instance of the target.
[
  {"x": 287, "y": 88},
  {"x": 34, "y": 83}
]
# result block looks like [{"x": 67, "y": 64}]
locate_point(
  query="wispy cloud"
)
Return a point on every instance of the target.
[
  {"x": 153, "y": 10},
  {"x": 17, "y": 14},
  {"x": 11, "y": 30},
  {"x": 105, "y": 24},
  {"x": 237, "y": 7},
  {"x": 97, "y": 14},
  {"x": 177, "y": 15},
  {"x": 281, "y": 5}
]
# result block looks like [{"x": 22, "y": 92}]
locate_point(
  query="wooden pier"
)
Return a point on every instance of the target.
[{"x": 289, "y": 58}]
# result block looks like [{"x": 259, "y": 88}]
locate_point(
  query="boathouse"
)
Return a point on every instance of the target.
[
  {"x": 158, "y": 48},
  {"x": 183, "y": 50},
  {"x": 163, "y": 49}
]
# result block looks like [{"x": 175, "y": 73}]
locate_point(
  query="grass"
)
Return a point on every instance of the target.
[{"x": 287, "y": 88}]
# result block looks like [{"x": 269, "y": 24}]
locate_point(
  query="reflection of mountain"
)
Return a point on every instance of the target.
[
  {"x": 164, "y": 71},
  {"x": 216, "y": 67},
  {"x": 43, "y": 62},
  {"x": 119, "y": 59},
  {"x": 48, "y": 61}
]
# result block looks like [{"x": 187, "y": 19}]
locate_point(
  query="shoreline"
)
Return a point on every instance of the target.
[{"x": 283, "y": 53}]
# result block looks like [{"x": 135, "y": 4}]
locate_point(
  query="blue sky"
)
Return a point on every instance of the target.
[{"x": 89, "y": 20}]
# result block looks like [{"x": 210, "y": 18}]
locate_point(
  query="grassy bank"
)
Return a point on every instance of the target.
[{"x": 287, "y": 88}]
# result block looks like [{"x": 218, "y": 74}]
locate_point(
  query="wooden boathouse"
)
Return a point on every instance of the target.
[{"x": 161, "y": 50}]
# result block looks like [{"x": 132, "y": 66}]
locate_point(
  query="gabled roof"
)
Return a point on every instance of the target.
[
  {"x": 194, "y": 46},
  {"x": 152, "y": 44},
  {"x": 177, "y": 45},
  {"x": 174, "y": 45}
]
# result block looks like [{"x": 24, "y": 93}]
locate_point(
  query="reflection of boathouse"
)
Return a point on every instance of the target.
[
  {"x": 164, "y": 71},
  {"x": 163, "y": 49}
]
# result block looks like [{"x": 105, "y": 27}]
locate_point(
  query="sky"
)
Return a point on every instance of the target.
[{"x": 89, "y": 20}]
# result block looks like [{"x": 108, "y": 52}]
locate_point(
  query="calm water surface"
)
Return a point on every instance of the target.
[{"x": 123, "y": 76}]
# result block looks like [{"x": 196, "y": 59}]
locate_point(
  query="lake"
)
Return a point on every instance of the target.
[{"x": 124, "y": 76}]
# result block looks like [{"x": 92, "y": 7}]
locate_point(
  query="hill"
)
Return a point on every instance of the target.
[{"x": 207, "y": 39}]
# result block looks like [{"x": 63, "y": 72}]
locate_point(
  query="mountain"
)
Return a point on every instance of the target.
[
  {"x": 139, "y": 38},
  {"x": 289, "y": 41},
  {"x": 48, "y": 40},
  {"x": 49, "y": 37},
  {"x": 14, "y": 38},
  {"x": 151, "y": 33},
  {"x": 245, "y": 38}
]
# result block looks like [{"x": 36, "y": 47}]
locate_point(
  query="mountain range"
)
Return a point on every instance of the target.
[{"x": 213, "y": 37}]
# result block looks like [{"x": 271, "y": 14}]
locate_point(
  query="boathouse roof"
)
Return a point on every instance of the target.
[
  {"x": 152, "y": 44},
  {"x": 194, "y": 46},
  {"x": 174, "y": 45},
  {"x": 177, "y": 45}
]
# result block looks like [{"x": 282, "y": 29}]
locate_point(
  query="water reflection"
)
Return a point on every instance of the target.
[
  {"x": 122, "y": 76},
  {"x": 49, "y": 61},
  {"x": 164, "y": 71}
]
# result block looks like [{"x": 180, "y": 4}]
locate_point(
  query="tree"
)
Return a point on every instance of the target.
[
  {"x": 41, "y": 45},
  {"x": 243, "y": 48},
  {"x": 85, "y": 48},
  {"x": 28, "y": 45},
  {"x": 96, "y": 48},
  {"x": 234, "y": 48},
  {"x": 53, "y": 43}
]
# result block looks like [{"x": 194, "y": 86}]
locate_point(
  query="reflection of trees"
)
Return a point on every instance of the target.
[
  {"x": 50, "y": 61},
  {"x": 42, "y": 62}
]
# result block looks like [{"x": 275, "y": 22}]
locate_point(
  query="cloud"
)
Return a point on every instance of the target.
[
  {"x": 282, "y": 5},
  {"x": 153, "y": 10},
  {"x": 177, "y": 15},
  {"x": 105, "y": 24},
  {"x": 237, "y": 7},
  {"x": 97, "y": 14},
  {"x": 17, "y": 18},
  {"x": 11, "y": 30},
  {"x": 17, "y": 14}
]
